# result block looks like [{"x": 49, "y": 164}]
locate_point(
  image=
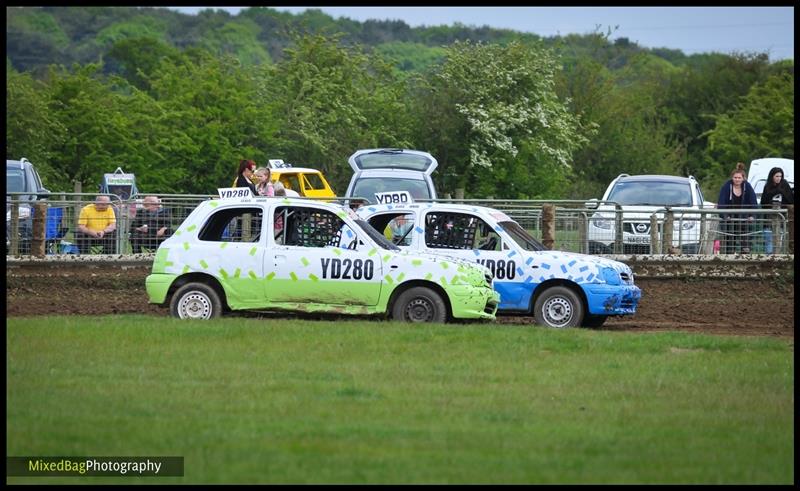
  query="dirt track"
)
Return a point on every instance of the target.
[{"x": 738, "y": 307}]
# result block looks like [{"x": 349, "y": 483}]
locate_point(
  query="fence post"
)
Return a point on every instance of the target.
[
  {"x": 583, "y": 233},
  {"x": 790, "y": 213},
  {"x": 13, "y": 247},
  {"x": 460, "y": 193},
  {"x": 654, "y": 234},
  {"x": 666, "y": 244},
  {"x": 38, "y": 229},
  {"x": 549, "y": 226},
  {"x": 618, "y": 224},
  {"x": 78, "y": 205}
]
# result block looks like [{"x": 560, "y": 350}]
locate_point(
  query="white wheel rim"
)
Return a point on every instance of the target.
[
  {"x": 194, "y": 305},
  {"x": 557, "y": 311}
]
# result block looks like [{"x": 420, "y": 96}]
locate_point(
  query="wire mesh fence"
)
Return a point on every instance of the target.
[{"x": 141, "y": 223}]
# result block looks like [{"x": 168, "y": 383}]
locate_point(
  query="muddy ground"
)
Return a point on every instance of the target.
[{"x": 714, "y": 306}]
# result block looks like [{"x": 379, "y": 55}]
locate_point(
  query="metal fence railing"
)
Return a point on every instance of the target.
[{"x": 567, "y": 225}]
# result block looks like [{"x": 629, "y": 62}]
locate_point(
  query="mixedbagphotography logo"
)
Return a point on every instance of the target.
[{"x": 94, "y": 466}]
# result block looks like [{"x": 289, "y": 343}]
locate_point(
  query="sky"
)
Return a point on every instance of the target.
[{"x": 689, "y": 29}]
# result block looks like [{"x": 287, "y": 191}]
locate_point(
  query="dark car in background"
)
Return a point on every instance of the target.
[{"x": 22, "y": 177}]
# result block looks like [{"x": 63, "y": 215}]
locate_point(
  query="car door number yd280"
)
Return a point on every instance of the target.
[{"x": 347, "y": 269}]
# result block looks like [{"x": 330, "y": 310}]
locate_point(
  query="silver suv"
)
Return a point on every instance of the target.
[
  {"x": 641, "y": 196},
  {"x": 21, "y": 177},
  {"x": 378, "y": 171}
]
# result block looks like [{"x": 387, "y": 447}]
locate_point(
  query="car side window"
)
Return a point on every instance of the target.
[
  {"x": 233, "y": 225},
  {"x": 310, "y": 227},
  {"x": 290, "y": 182},
  {"x": 313, "y": 181},
  {"x": 459, "y": 231}
]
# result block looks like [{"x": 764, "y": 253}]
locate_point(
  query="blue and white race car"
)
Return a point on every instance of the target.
[{"x": 560, "y": 289}]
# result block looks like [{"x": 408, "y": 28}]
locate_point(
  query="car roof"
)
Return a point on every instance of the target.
[
  {"x": 295, "y": 170},
  {"x": 16, "y": 163},
  {"x": 656, "y": 177},
  {"x": 412, "y": 207},
  {"x": 283, "y": 200}
]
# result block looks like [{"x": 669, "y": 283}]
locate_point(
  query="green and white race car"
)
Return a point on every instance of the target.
[{"x": 293, "y": 254}]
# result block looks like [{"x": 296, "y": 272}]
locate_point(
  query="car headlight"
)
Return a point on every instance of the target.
[
  {"x": 611, "y": 276},
  {"x": 600, "y": 221},
  {"x": 688, "y": 224}
]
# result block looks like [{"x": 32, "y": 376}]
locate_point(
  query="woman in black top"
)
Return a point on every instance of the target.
[
  {"x": 777, "y": 193},
  {"x": 245, "y": 175}
]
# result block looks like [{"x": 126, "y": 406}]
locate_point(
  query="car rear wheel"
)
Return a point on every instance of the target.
[
  {"x": 419, "y": 304},
  {"x": 558, "y": 307},
  {"x": 196, "y": 301}
]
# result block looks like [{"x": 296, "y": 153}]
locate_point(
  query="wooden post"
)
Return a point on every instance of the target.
[
  {"x": 38, "y": 232},
  {"x": 666, "y": 233},
  {"x": 549, "y": 225},
  {"x": 13, "y": 247}
]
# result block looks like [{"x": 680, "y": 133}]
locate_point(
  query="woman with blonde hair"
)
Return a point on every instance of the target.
[{"x": 263, "y": 182}]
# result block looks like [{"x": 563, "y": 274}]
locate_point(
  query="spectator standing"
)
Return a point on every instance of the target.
[
  {"x": 264, "y": 185},
  {"x": 777, "y": 193},
  {"x": 735, "y": 227},
  {"x": 244, "y": 176},
  {"x": 97, "y": 225},
  {"x": 151, "y": 226}
]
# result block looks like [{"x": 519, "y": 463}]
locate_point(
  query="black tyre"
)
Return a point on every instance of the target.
[
  {"x": 594, "y": 320},
  {"x": 195, "y": 301},
  {"x": 558, "y": 307},
  {"x": 419, "y": 304}
]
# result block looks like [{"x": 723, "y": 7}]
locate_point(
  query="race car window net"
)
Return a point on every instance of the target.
[
  {"x": 451, "y": 230},
  {"x": 310, "y": 227},
  {"x": 233, "y": 225}
]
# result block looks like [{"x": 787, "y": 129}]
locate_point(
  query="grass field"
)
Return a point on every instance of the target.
[{"x": 249, "y": 400}]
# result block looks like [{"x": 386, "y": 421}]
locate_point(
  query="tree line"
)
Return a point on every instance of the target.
[{"x": 509, "y": 116}]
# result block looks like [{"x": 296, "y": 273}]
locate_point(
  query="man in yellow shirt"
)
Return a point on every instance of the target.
[{"x": 97, "y": 225}]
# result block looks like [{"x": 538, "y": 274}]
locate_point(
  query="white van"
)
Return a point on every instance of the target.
[{"x": 759, "y": 172}]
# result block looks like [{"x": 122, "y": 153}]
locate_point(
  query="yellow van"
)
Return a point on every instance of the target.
[{"x": 303, "y": 180}]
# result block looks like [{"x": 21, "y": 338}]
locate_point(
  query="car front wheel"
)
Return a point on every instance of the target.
[
  {"x": 419, "y": 304},
  {"x": 196, "y": 301},
  {"x": 558, "y": 307}
]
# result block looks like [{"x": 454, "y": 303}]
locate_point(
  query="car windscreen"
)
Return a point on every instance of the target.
[
  {"x": 366, "y": 187},
  {"x": 15, "y": 180},
  {"x": 378, "y": 237},
  {"x": 522, "y": 237},
  {"x": 651, "y": 193}
]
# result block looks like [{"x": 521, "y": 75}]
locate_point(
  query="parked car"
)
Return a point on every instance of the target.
[
  {"x": 639, "y": 197},
  {"x": 759, "y": 172},
  {"x": 22, "y": 177},
  {"x": 380, "y": 170},
  {"x": 307, "y": 256},
  {"x": 560, "y": 289},
  {"x": 303, "y": 180}
]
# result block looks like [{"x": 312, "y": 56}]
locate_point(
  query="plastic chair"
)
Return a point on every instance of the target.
[{"x": 54, "y": 232}]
